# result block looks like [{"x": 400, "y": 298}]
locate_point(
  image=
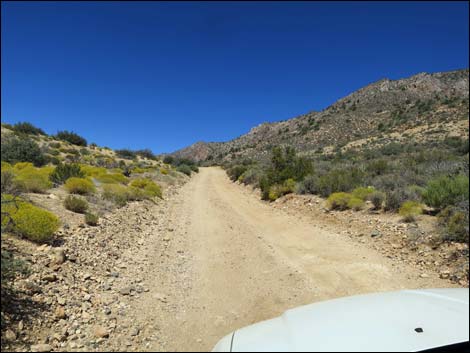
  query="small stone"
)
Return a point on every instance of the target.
[
  {"x": 41, "y": 348},
  {"x": 424, "y": 275},
  {"x": 58, "y": 256},
  {"x": 126, "y": 291},
  {"x": 10, "y": 335},
  {"x": 100, "y": 332},
  {"x": 51, "y": 277},
  {"x": 444, "y": 274},
  {"x": 87, "y": 297},
  {"x": 375, "y": 233},
  {"x": 61, "y": 301},
  {"x": 60, "y": 312},
  {"x": 135, "y": 332},
  {"x": 86, "y": 276}
]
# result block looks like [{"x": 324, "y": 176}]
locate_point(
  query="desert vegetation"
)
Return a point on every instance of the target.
[{"x": 409, "y": 179}]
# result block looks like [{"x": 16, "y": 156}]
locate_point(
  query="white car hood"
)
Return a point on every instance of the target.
[{"x": 374, "y": 322}]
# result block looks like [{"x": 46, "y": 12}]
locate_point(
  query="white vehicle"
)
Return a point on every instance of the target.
[{"x": 406, "y": 321}]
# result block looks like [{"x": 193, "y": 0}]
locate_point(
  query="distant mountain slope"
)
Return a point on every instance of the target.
[{"x": 421, "y": 103}]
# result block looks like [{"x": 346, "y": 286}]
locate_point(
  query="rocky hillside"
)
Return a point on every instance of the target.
[{"x": 424, "y": 106}]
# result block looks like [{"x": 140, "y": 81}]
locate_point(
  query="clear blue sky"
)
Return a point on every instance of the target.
[{"x": 165, "y": 75}]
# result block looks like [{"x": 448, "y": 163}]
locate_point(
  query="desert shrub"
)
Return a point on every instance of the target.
[
  {"x": 146, "y": 153},
  {"x": 250, "y": 177},
  {"x": 31, "y": 179},
  {"x": 54, "y": 152},
  {"x": 278, "y": 190},
  {"x": 409, "y": 210},
  {"x": 339, "y": 180},
  {"x": 8, "y": 185},
  {"x": 194, "y": 168},
  {"x": 454, "y": 223},
  {"x": 446, "y": 191},
  {"x": 112, "y": 178},
  {"x": 27, "y": 128},
  {"x": 54, "y": 145},
  {"x": 117, "y": 193},
  {"x": 138, "y": 170},
  {"x": 148, "y": 187},
  {"x": 355, "y": 203},
  {"x": 84, "y": 152},
  {"x": 185, "y": 169},
  {"x": 168, "y": 160},
  {"x": 274, "y": 192},
  {"x": 395, "y": 198},
  {"x": 62, "y": 172},
  {"x": 15, "y": 150},
  {"x": 377, "y": 198},
  {"x": 71, "y": 137},
  {"x": 79, "y": 186},
  {"x": 377, "y": 167},
  {"x": 91, "y": 219},
  {"x": 29, "y": 221},
  {"x": 75, "y": 204},
  {"x": 236, "y": 171},
  {"x": 126, "y": 153},
  {"x": 363, "y": 193},
  {"x": 308, "y": 185},
  {"x": 92, "y": 171},
  {"x": 164, "y": 171},
  {"x": 338, "y": 201}
]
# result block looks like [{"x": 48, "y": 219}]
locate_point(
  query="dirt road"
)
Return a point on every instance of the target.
[{"x": 228, "y": 260}]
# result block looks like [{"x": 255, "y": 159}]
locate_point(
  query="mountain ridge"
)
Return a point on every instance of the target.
[{"x": 383, "y": 106}]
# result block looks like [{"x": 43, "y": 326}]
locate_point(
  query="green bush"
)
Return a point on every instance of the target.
[
  {"x": 185, "y": 169},
  {"x": 378, "y": 167},
  {"x": 250, "y": 177},
  {"x": 355, "y": 203},
  {"x": 62, "y": 172},
  {"x": 91, "y": 219},
  {"x": 377, "y": 198},
  {"x": 236, "y": 171},
  {"x": 54, "y": 145},
  {"x": 27, "y": 220},
  {"x": 75, "y": 204},
  {"x": 126, "y": 153},
  {"x": 27, "y": 128},
  {"x": 168, "y": 160},
  {"x": 79, "y": 186},
  {"x": 91, "y": 171},
  {"x": 112, "y": 178},
  {"x": 71, "y": 137},
  {"x": 277, "y": 190},
  {"x": 32, "y": 179},
  {"x": 15, "y": 150},
  {"x": 146, "y": 153},
  {"x": 395, "y": 198},
  {"x": 409, "y": 210},
  {"x": 117, "y": 193},
  {"x": 363, "y": 193},
  {"x": 147, "y": 187},
  {"x": 308, "y": 185},
  {"x": 340, "y": 180},
  {"x": 339, "y": 201},
  {"x": 446, "y": 191},
  {"x": 454, "y": 222}
]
